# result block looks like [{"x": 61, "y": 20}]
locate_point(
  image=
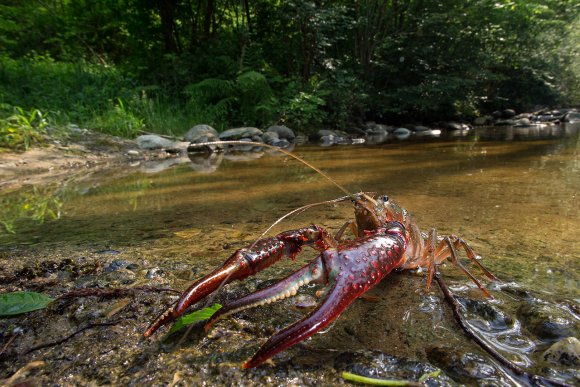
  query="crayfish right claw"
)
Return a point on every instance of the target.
[{"x": 235, "y": 267}]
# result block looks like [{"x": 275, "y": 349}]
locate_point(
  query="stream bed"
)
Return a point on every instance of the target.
[{"x": 153, "y": 227}]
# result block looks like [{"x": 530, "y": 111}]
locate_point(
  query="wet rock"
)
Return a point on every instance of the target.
[
  {"x": 505, "y": 123},
  {"x": 116, "y": 265},
  {"x": 355, "y": 132},
  {"x": 402, "y": 133},
  {"x": 377, "y": 129},
  {"x": 452, "y": 125},
  {"x": 201, "y": 131},
  {"x": 324, "y": 133},
  {"x": 270, "y": 137},
  {"x": 154, "y": 272},
  {"x": 489, "y": 317},
  {"x": 565, "y": 352},
  {"x": 377, "y": 138},
  {"x": 283, "y": 132},
  {"x": 483, "y": 120},
  {"x": 508, "y": 113},
  {"x": 420, "y": 128},
  {"x": 523, "y": 122},
  {"x": 283, "y": 143},
  {"x": 240, "y": 133},
  {"x": 152, "y": 141},
  {"x": 571, "y": 116},
  {"x": 132, "y": 267},
  {"x": 547, "y": 322},
  {"x": 108, "y": 251},
  {"x": 379, "y": 365},
  {"x": 465, "y": 366}
]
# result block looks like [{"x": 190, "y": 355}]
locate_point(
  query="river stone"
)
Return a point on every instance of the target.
[
  {"x": 572, "y": 116},
  {"x": 153, "y": 141},
  {"x": 198, "y": 131},
  {"x": 508, "y": 113},
  {"x": 523, "y": 122},
  {"x": 484, "y": 120},
  {"x": 565, "y": 352},
  {"x": 325, "y": 132},
  {"x": 283, "y": 132},
  {"x": 239, "y": 133},
  {"x": 402, "y": 133},
  {"x": 377, "y": 129},
  {"x": 490, "y": 317},
  {"x": 270, "y": 137},
  {"x": 283, "y": 143},
  {"x": 505, "y": 122},
  {"x": 547, "y": 322},
  {"x": 465, "y": 366},
  {"x": 452, "y": 125}
]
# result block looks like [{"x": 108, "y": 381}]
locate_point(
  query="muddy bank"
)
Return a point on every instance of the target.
[
  {"x": 78, "y": 153},
  {"x": 95, "y": 333}
]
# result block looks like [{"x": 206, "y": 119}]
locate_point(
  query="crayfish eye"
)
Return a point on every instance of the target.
[{"x": 385, "y": 198}]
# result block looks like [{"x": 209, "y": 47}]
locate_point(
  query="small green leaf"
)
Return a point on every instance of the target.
[
  {"x": 22, "y": 302},
  {"x": 194, "y": 317}
]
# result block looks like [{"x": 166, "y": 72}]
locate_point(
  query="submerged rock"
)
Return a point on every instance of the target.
[
  {"x": 547, "y": 322},
  {"x": 465, "y": 366},
  {"x": 565, "y": 352}
]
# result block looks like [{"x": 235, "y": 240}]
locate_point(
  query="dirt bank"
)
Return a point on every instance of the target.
[{"x": 58, "y": 158}]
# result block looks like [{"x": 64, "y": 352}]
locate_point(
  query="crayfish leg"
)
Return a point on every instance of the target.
[{"x": 447, "y": 250}]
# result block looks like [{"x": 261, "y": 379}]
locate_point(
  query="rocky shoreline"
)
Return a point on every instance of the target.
[{"x": 82, "y": 150}]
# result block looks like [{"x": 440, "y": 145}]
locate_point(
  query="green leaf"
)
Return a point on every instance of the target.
[
  {"x": 388, "y": 382},
  {"x": 194, "y": 317},
  {"x": 22, "y": 302}
]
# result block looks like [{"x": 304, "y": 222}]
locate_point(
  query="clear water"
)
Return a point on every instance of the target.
[{"x": 514, "y": 195}]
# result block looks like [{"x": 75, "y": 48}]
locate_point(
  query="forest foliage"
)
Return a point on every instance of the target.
[{"x": 165, "y": 65}]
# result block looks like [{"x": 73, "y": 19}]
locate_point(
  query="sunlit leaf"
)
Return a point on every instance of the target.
[
  {"x": 194, "y": 317},
  {"x": 22, "y": 302}
]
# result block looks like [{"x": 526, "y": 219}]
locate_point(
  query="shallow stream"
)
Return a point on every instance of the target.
[{"x": 512, "y": 194}]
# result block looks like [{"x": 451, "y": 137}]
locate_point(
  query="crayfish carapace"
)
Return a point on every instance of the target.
[{"x": 386, "y": 238}]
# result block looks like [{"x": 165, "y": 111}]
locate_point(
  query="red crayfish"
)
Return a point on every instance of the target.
[{"x": 386, "y": 238}]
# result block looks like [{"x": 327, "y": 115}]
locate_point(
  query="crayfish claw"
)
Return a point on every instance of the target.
[
  {"x": 287, "y": 287},
  {"x": 336, "y": 301}
]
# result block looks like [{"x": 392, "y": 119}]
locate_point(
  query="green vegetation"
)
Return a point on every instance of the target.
[
  {"x": 192, "y": 318},
  {"x": 22, "y": 302},
  {"x": 164, "y": 66},
  {"x": 36, "y": 204},
  {"x": 22, "y": 129}
]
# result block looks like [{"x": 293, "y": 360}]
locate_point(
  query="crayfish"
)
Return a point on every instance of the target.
[{"x": 386, "y": 238}]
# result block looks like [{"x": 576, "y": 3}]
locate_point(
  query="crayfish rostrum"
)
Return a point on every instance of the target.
[{"x": 385, "y": 238}]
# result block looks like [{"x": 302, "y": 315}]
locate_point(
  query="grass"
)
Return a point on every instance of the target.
[{"x": 91, "y": 96}]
